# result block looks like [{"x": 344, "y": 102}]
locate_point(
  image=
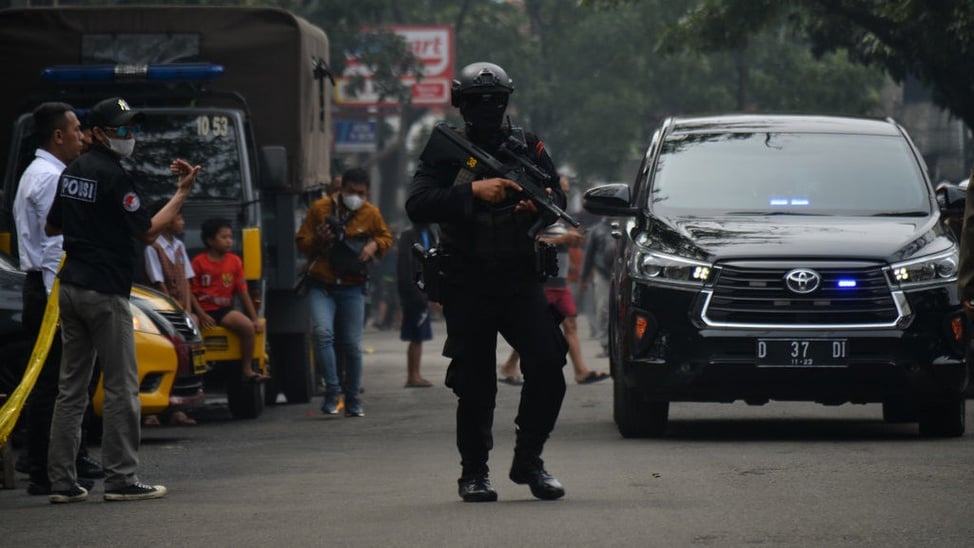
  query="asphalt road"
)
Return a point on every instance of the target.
[{"x": 784, "y": 474}]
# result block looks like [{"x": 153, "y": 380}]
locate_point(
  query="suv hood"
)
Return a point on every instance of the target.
[{"x": 887, "y": 239}]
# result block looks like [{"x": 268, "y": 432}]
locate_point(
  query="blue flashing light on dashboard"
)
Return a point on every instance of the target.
[{"x": 171, "y": 72}]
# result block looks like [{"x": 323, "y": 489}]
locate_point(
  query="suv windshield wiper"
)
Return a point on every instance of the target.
[
  {"x": 769, "y": 213},
  {"x": 901, "y": 214}
]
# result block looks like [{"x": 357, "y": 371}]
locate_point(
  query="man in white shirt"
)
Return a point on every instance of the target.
[{"x": 57, "y": 132}]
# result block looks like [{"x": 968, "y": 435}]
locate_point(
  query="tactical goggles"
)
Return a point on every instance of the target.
[
  {"x": 494, "y": 99},
  {"x": 123, "y": 131}
]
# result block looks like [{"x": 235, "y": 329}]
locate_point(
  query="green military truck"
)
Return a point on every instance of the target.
[{"x": 242, "y": 91}]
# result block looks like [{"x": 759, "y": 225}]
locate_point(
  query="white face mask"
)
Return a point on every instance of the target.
[
  {"x": 353, "y": 201},
  {"x": 122, "y": 147}
]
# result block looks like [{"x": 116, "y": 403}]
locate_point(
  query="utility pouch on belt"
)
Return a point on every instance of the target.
[
  {"x": 429, "y": 279},
  {"x": 546, "y": 260}
]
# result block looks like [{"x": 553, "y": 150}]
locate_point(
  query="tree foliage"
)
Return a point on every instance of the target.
[
  {"x": 931, "y": 41},
  {"x": 591, "y": 77}
]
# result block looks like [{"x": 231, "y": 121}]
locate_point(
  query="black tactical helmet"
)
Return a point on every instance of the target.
[{"x": 479, "y": 78}]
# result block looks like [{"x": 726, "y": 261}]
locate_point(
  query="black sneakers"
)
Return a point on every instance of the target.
[
  {"x": 136, "y": 491},
  {"x": 76, "y": 493},
  {"x": 44, "y": 488}
]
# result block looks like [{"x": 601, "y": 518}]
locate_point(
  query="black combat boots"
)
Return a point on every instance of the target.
[
  {"x": 528, "y": 468},
  {"x": 476, "y": 489}
]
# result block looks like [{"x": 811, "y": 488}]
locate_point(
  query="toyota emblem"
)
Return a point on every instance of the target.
[{"x": 802, "y": 280}]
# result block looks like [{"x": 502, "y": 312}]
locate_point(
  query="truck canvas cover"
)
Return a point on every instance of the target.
[{"x": 269, "y": 57}]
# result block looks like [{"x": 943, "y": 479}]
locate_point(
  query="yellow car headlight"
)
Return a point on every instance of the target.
[{"x": 142, "y": 322}]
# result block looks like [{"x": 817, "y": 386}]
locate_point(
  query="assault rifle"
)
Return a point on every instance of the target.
[{"x": 447, "y": 144}]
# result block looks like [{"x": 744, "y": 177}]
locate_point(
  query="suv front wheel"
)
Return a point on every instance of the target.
[
  {"x": 636, "y": 416},
  {"x": 943, "y": 419}
]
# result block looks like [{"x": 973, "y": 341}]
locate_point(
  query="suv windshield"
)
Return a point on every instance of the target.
[
  {"x": 207, "y": 138},
  {"x": 788, "y": 173}
]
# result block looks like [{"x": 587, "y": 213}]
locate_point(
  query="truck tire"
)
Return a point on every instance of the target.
[
  {"x": 944, "y": 418},
  {"x": 293, "y": 366},
  {"x": 898, "y": 410},
  {"x": 245, "y": 399},
  {"x": 635, "y": 416},
  {"x": 271, "y": 390}
]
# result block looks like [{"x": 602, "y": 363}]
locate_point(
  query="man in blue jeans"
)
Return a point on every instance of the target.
[{"x": 341, "y": 234}]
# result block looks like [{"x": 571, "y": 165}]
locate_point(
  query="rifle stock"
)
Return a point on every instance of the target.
[{"x": 446, "y": 144}]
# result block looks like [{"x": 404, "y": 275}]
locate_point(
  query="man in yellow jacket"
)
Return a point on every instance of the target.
[{"x": 341, "y": 234}]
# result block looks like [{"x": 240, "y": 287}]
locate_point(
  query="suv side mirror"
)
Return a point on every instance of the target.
[
  {"x": 273, "y": 167},
  {"x": 611, "y": 200},
  {"x": 951, "y": 199}
]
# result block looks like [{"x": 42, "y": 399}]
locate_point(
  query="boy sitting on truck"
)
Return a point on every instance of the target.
[{"x": 220, "y": 276}]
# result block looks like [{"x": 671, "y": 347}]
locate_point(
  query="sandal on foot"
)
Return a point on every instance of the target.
[
  {"x": 182, "y": 419},
  {"x": 513, "y": 380}
]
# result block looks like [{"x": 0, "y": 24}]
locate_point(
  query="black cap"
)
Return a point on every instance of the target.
[{"x": 112, "y": 112}]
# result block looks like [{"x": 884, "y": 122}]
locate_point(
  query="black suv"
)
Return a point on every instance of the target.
[{"x": 799, "y": 258}]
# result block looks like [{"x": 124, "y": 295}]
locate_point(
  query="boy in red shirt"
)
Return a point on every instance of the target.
[{"x": 220, "y": 275}]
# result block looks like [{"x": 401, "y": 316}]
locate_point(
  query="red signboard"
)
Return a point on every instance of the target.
[{"x": 433, "y": 45}]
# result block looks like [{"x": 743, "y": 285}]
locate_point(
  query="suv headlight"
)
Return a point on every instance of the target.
[
  {"x": 669, "y": 269},
  {"x": 936, "y": 269}
]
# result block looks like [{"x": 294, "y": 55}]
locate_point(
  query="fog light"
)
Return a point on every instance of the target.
[
  {"x": 644, "y": 331},
  {"x": 641, "y": 325},
  {"x": 957, "y": 327}
]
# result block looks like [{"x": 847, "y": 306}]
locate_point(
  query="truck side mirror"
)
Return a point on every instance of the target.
[{"x": 273, "y": 167}]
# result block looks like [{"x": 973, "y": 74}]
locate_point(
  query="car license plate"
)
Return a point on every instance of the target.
[
  {"x": 802, "y": 352},
  {"x": 199, "y": 361}
]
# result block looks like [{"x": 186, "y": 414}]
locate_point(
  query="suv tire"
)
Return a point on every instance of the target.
[
  {"x": 943, "y": 419},
  {"x": 898, "y": 410},
  {"x": 635, "y": 416}
]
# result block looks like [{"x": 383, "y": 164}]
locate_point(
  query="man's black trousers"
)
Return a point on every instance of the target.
[{"x": 474, "y": 316}]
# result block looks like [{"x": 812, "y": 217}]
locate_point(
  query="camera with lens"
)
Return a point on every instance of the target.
[{"x": 336, "y": 227}]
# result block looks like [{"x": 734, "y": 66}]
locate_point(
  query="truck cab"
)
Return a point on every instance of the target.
[{"x": 254, "y": 112}]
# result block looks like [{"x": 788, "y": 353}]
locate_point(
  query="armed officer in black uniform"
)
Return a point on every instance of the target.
[{"x": 490, "y": 284}]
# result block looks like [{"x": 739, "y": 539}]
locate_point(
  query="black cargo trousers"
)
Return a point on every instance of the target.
[{"x": 474, "y": 316}]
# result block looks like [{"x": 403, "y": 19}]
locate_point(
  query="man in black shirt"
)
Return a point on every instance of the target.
[
  {"x": 492, "y": 286},
  {"x": 100, "y": 213}
]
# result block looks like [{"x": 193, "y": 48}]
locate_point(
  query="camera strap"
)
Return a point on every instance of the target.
[{"x": 335, "y": 206}]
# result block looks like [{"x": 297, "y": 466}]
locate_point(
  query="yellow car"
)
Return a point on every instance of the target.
[{"x": 170, "y": 355}]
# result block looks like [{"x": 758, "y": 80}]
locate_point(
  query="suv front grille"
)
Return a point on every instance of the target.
[{"x": 757, "y": 295}]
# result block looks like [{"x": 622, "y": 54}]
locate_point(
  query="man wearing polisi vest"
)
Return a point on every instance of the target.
[
  {"x": 99, "y": 211},
  {"x": 490, "y": 285}
]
